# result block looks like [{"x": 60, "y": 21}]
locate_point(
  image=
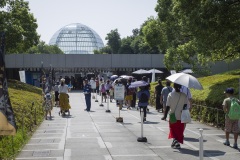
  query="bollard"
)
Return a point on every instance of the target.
[
  {"x": 141, "y": 139},
  {"x": 201, "y": 144},
  {"x": 101, "y": 101},
  {"x": 108, "y": 104},
  {"x": 96, "y": 97},
  {"x": 119, "y": 119}
]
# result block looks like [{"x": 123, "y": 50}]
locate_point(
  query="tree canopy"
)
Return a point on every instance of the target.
[
  {"x": 19, "y": 25},
  {"x": 196, "y": 32},
  {"x": 45, "y": 49}
]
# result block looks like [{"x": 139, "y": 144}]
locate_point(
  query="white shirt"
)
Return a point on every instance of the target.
[{"x": 63, "y": 89}]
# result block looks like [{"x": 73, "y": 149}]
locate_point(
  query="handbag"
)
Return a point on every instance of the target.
[
  {"x": 185, "y": 116},
  {"x": 172, "y": 116}
]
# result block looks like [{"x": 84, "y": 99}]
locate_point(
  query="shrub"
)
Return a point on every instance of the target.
[{"x": 26, "y": 102}]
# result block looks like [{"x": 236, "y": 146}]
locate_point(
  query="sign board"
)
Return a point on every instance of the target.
[
  {"x": 22, "y": 76},
  {"x": 93, "y": 84},
  {"x": 119, "y": 92}
]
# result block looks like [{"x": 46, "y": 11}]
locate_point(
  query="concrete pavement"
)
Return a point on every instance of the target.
[{"x": 96, "y": 135}]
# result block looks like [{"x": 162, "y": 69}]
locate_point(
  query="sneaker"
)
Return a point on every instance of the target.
[
  {"x": 235, "y": 146},
  {"x": 173, "y": 143},
  {"x": 144, "y": 119},
  {"x": 177, "y": 146},
  {"x": 226, "y": 143}
]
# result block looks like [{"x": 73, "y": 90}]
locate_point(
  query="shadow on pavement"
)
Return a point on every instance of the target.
[
  {"x": 212, "y": 153},
  {"x": 192, "y": 139}
]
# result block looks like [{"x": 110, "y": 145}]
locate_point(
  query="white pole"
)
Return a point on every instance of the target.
[
  {"x": 107, "y": 102},
  {"x": 101, "y": 100},
  {"x": 96, "y": 97},
  {"x": 201, "y": 144},
  {"x": 141, "y": 111}
]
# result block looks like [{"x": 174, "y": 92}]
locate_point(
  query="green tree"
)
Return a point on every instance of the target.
[
  {"x": 114, "y": 41},
  {"x": 19, "y": 25},
  {"x": 104, "y": 50},
  {"x": 45, "y": 49},
  {"x": 126, "y": 46},
  {"x": 199, "y": 32}
]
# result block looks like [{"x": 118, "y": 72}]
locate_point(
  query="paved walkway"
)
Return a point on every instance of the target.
[{"x": 96, "y": 135}]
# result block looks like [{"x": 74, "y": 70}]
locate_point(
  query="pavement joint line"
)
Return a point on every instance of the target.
[
  {"x": 33, "y": 144},
  {"x": 136, "y": 155},
  {"x": 28, "y": 150},
  {"x": 37, "y": 158},
  {"x": 100, "y": 140},
  {"x": 153, "y": 147},
  {"x": 67, "y": 153},
  {"x": 190, "y": 145},
  {"x": 160, "y": 128},
  {"x": 108, "y": 144},
  {"x": 214, "y": 134},
  {"x": 63, "y": 140},
  {"x": 107, "y": 157},
  {"x": 194, "y": 132}
]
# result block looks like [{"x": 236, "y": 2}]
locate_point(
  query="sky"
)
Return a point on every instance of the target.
[{"x": 100, "y": 15}]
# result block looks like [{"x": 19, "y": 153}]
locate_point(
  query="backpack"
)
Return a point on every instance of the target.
[
  {"x": 143, "y": 98},
  {"x": 234, "y": 111}
]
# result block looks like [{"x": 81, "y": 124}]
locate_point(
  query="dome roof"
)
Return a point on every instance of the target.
[{"x": 77, "y": 38}]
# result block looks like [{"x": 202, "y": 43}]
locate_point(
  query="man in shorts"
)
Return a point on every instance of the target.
[{"x": 230, "y": 125}]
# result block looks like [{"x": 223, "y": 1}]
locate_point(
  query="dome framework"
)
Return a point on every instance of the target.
[{"x": 77, "y": 38}]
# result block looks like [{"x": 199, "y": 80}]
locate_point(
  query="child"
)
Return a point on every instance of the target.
[
  {"x": 103, "y": 92},
  {"x": 48, "y": 104},
  {"x": 111, "y": 92}
]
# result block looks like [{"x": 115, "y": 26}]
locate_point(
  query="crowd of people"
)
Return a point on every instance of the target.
[{"x": 169, "y": 100}]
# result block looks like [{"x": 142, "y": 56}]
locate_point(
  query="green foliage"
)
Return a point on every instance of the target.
[
  {"x": 27, "y": 116},
  {"x": 45, "y": 49},
  {"x": 196, "y": 32},
  {"x": 19, "y": 25},
  {"x": 114, "y": 41},
  {"x": 126, "y": 46}
]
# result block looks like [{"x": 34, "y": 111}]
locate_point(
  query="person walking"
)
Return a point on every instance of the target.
[
  {"x": 56, "y": 91},
  {"x": 63, "y": 97},
  {"x": 230, "y": 125},
  {"x": 157, "y": 95},
  {"x": 176, "y": 101},
  {"x": 163, "y": 98},
  {"x": 129, "y": 94},
  {"x": 87, "y": 92},
  {"x": 143, "y": 97}
]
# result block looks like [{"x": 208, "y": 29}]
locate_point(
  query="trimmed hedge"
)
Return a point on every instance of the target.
[{"x": 26, "y": 102}]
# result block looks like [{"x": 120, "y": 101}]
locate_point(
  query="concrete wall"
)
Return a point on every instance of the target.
[
  {"x": 99, "y": 61},
  {"x": 84, "y": 61}
]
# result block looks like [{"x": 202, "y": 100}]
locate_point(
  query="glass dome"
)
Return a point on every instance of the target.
[{"x": 77, "y": 38}]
